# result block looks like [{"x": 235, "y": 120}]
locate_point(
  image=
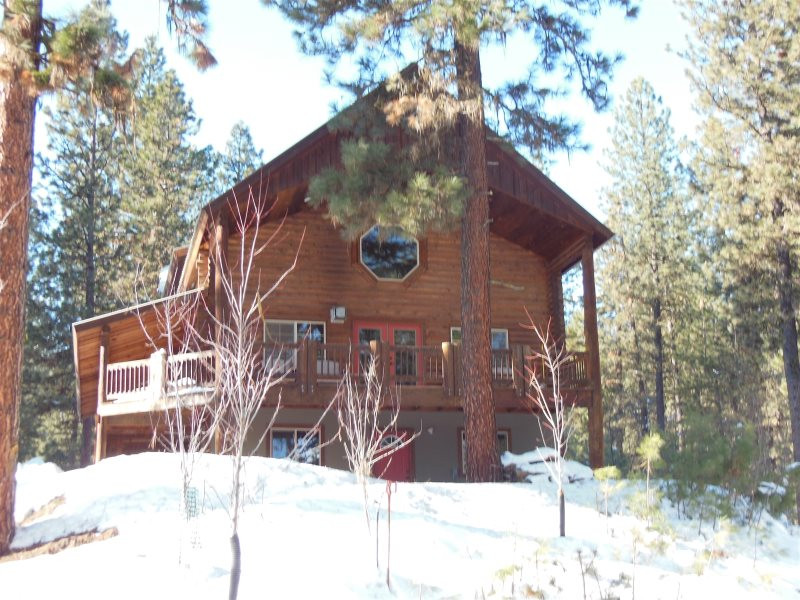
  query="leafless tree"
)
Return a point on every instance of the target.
[
  {"x": 185, "y": 383},
  {"x": 367, "y": 435},
  {"x": 547, "y": 402},
  {"x": 246, "y": 378}
]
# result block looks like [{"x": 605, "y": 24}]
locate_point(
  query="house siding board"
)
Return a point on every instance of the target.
[{"x": 325, "y": 276}]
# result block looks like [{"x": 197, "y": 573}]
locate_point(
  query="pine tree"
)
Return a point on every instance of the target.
[
  {"x": 747, "y": 74},
  {"x": 75, "y": 255},
  {"x": 165, "y": 179},
  {"x": 440, "y": 105},
  {"x": 646, "y": 271},
  {"x": 239, "y": 159}
]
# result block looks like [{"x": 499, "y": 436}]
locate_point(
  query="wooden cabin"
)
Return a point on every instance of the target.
[{"x": 396, "y": 298}]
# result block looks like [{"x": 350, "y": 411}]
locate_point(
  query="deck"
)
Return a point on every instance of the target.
[{"x": 423, "y": 377}]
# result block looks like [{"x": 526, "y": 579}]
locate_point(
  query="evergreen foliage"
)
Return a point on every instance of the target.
[
  {"x": 646, "y": 272},
  {"x": 165, "y": 178},
  {"x": 239, "y": 159},
  {"x": 114, "y": 196},
  {"x": 747, "y": 74}
]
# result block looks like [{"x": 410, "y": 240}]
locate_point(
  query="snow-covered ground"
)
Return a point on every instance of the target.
[{"x": 304, "y": 535}]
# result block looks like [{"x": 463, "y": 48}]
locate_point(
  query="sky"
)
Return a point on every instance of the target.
[{"x": 262, "y": 79}]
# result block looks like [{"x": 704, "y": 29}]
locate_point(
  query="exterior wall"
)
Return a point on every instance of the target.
[
  {"x": 436, "y": 450},
  {"x": 328, "y": 273}
]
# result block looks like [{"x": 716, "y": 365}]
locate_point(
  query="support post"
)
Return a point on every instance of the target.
[
  {"x": 449, "y": 368},
  {"x": 593, "y": 358},
  {"x": 100, "y": 439},
  {"x": 304, "y": 363},
  {"x": 311, "y": 374},
  {"x": 518, "y": 369},
  {"x": 99, "y": 444},
  {"x": 218, "y": 261}
]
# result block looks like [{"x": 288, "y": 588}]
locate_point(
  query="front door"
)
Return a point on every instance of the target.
[
  {"x": 399, "y": 465},
  {"x": 404, "y": 338}
]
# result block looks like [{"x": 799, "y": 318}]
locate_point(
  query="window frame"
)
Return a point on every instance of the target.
[
  {"x": 492, "y": 331},
  {"x": 294, "y": 323},
  {"x": 417, "y": 266},
  {"x": 462, "y": 446},
  {"x": 295, "y": 429}
]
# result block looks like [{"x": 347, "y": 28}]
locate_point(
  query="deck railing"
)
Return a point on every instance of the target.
[
  {"x": 190, "y": 372},
  {"x": 159, "y": 377},
  {"x": 309, "y": 364},
  {"x": 125, "y": 380}
]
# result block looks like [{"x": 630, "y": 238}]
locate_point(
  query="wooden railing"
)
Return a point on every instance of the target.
[
  {"x": 308, "y": 364},
  {"x": 160, "y": 376},
  {"x": 190, "y": 372},
  {"x": 573, "y": 373},
  {"x": 125, "y": 380}
]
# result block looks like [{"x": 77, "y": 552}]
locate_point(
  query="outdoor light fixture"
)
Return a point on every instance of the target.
[{"x": 338, "y": 314}]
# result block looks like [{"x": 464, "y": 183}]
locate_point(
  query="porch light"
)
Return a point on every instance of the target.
[{"x": 338, "y": 314}]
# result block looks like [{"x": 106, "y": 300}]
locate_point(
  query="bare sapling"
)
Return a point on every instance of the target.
[
  {"x": 546, "y": 400},
  {"x": 368, "y": 414},
  {"x": 245, "y": 377},
  {"x": 183, "y": 374}
]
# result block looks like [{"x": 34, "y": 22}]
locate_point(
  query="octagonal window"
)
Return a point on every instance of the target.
[{"x": 392, "y": 257}]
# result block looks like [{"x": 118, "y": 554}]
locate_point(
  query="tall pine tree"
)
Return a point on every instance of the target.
[
  {"x": 645, "y": 272},
  {"x": 165, "y": 178},
  {"x": 239, "y": 159},
  {"x": 747, "y": 73}
]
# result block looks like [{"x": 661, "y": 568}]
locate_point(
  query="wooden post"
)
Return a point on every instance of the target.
[
  {"x": 219, "y": 259},
  {"x": 304, "y": 365},
  {"x": 312, "y": 374},
  {"x": 449, "y": 368},
  {"x": 218, "y": 262},
  {"x": 593, "y": 359},
  {"x": 518, "y": 369},
  {"x": 100, "y": 437},
  {"x": 99, "y": 444}
]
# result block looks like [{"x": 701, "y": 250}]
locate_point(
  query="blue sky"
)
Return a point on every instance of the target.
[{"x": 281, "y": 95}]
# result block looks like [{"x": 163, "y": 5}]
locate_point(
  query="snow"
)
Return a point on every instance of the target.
[
  {"x": 304, "y": 534},
  {"x": 535, "y": 463},
  {"x": 768, "y": 488}
]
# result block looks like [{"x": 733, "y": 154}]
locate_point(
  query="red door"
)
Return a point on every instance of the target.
[
  {"x": 399, "y": 465},
  {"x": 406, "y": 359}
]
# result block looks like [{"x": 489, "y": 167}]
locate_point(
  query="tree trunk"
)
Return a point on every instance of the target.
[
  {"x": 236, "y": 567},
  {"x": 479, "y": 413},
  {"x": 791, "y": 361},
  {"x": 562, "y": 513},
  {"x": 17, "y": 109},
  {"x": 658, "y": 340}
]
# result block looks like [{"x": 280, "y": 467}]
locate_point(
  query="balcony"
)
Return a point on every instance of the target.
[
  {"x": 157, "y": 383},
  {"x": 425, "y": 377}
]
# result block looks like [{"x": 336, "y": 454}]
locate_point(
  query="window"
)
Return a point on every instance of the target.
[
  {"x": 302, "y": 445},
  {"x": 277, "y": 333},
  {"x": 499, "y": 338},
  {"x": 503, "y": 445},
  {"x": 390, "y": 257}
]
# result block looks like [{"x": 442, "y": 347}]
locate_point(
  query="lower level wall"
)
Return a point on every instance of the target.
[{"x": 436, "y": 450}]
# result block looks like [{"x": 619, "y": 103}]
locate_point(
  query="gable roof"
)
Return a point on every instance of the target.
[{"x": 526, "y": 207}]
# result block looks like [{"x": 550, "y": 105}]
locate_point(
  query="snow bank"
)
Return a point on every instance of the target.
[
  {"x": 303, "y": 534},
  {"x": 535, "y": 463}
]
